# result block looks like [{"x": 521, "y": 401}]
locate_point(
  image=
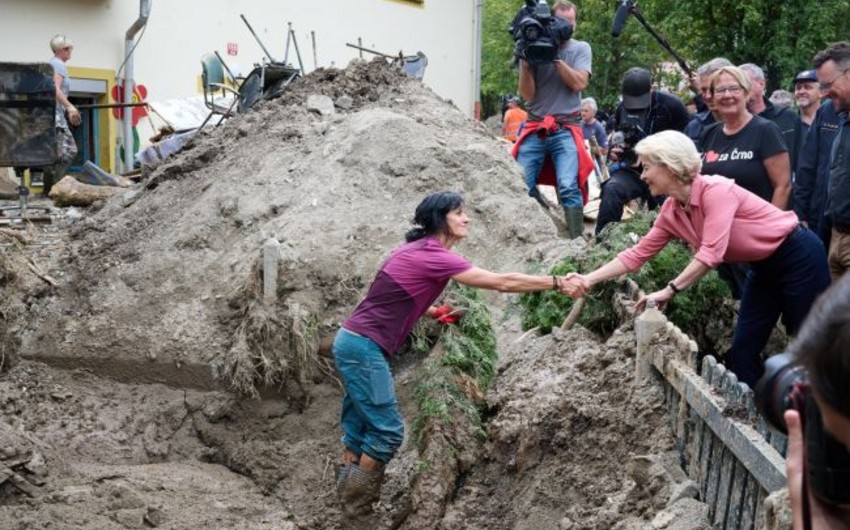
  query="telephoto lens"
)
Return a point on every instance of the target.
[
  {"x": 784, "y": 386},
  {"x": 779, "y": 389}
]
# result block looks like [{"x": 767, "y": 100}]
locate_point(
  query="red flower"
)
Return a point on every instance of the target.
[{"x": 139, "y": 94}]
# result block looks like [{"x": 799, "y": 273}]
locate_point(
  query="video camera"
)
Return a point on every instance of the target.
[
  {"x": 784, "y": 386},
  {"x": 537, "y": 33},
  {"x": 626, "y": 138}
]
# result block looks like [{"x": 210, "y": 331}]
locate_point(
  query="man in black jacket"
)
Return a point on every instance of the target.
[
  {"x": 832, "y": 66},
  {"x": 787, "y": 120},
  {"x": 643, "y": 111}
]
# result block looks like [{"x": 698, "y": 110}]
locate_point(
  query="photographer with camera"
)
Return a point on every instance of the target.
[
  {"x": 553, "y": 70},
  {"x": 805, "y": 393},
  {"x": 642, "y": 112}
]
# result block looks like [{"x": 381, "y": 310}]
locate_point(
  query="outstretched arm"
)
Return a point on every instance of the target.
[{"x": 507, "y": 282}]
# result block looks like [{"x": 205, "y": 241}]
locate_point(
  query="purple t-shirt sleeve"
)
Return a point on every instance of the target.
[{"x": 411, "y": 279}]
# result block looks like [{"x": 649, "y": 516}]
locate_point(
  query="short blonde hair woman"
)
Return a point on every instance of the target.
[{"x": 724, "y": 223}]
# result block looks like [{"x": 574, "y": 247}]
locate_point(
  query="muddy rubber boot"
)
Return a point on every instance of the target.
[
  {"x": 360, "y": 489},
  {"x": 575, "y": 220},
  {"x": 341, "y": 475}
]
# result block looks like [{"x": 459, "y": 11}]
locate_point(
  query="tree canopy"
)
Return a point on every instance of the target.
[{"x": 781, "y": 37}]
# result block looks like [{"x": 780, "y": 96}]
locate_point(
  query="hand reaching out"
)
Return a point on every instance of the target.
[{"x": 660, "y": 297}]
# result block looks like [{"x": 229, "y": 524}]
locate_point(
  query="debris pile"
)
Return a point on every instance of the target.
[{"x": 129, "y": 407}]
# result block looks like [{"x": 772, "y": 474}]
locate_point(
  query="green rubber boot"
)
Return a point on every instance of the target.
[
  {"x": 359, "y": 490},
  {"x": 575, "y": 220}
]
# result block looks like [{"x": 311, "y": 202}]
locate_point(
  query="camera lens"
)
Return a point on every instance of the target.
[{"x": 775, "y": 390}]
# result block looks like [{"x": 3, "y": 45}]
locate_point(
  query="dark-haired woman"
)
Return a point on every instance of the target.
[{"x": 404, "y": 289}]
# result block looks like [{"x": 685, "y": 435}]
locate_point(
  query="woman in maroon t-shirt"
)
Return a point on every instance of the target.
[{"x": 404, "y": 289}]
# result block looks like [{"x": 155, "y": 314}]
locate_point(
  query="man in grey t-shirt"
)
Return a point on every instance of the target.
[{"x": 555, "y": 90}]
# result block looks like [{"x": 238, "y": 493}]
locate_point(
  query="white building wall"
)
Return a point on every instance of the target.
[{"x": 179, "y": 32}]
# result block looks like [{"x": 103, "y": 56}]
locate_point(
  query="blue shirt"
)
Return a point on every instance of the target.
[{"x": 596, "y": 130}]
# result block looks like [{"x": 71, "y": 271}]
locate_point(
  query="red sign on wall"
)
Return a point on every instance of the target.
[{"x": 232, "y": 48}]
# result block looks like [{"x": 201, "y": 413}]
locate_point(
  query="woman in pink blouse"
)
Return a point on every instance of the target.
[{"x": 723, "y": 222}]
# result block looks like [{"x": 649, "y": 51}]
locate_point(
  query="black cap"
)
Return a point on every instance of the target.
[
  {"x": 806, "y": 75},
  {"x": 637, "y": 84}
]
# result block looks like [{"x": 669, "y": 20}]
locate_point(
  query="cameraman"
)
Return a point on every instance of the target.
[
  {"x": 553, "y": 95},
  {"x": 642, "y": 112},
  {"x": 821, "y": 347}
]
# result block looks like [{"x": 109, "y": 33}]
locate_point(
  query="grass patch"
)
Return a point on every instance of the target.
[{"x": 453, "y": 382}]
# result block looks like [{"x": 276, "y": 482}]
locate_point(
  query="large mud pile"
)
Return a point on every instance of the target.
[
  {"x": 170, "y": 274},
  {"x": 162, "y": 285}
]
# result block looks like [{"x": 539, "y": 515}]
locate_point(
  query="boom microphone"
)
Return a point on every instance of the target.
[{"x": 621, "y": 17}]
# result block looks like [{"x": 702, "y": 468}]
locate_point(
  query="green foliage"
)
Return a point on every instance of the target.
[
  {"x": 468, "y": 354},
  {"x": 688, "y": 310}
]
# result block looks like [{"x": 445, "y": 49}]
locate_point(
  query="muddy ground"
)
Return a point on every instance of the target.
[{"x": 134, "y": 330}]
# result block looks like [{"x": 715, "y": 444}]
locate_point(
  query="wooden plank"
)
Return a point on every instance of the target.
[
  {"x": 762, "y": 460},
  {"x": 714, "y": 465},
  {"x": 737, "y": 497},
  {"x": 779, "y": 441},
  {"x": 706, "y": 436},
  {"x": 759, "y": 509},
  {"x": 683, "y": 428},
  {"x": 695, "y": 447},
  {"x": 748, "y": 510},
  {"x": 724, "y": 489}
]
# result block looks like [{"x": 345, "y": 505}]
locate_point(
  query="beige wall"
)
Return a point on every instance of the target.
[{"x": 180, "y": 31}]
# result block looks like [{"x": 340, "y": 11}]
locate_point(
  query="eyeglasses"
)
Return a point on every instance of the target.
[
  {"x": 730, "y": 89},
  {"x": 827, "y": 86}
]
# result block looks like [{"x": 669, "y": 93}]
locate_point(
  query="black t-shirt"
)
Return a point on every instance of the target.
[{"x": 741, "y": 156}]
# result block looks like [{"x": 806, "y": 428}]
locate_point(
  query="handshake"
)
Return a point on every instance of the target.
[{"x": 573, "y": 284}]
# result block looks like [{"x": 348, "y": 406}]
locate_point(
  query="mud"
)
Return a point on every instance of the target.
[{"x": 127, "y": 399}]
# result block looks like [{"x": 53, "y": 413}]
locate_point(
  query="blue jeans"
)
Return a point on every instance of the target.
[
  {"x": 371, "y": 422},
  {"x": 561, "y": 147},
  {"x": 786, "y": 283}
]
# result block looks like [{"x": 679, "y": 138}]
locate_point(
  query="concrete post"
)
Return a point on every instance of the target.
[
  {"x": 646, "y": 325},
  {"x": 271, "y": 257}
]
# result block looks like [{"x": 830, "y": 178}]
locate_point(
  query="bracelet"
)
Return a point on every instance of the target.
[
  {"x": 554, "y": 283},
  {"x": 673, "y": 287}
]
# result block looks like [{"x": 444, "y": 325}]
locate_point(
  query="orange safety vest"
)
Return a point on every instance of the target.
[{"x": 513, "y": 120}]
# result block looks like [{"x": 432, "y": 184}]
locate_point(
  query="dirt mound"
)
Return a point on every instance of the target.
[
  {"x": 575, "y": 444},
  {"x": 170, "y": 274},
  {"x": 163, "y": 285}
]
